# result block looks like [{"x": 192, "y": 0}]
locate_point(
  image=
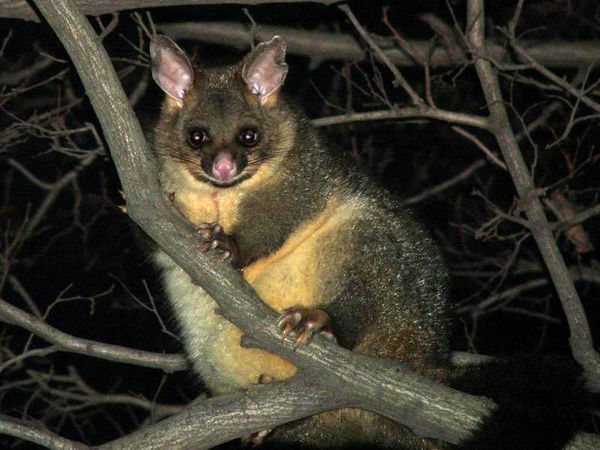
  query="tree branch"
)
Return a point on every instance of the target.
[
  {"x": 581, "y": 339},
  {"x": 29, "y": 432},
  {"x": 68, "y": 343},
  {"x": 322, "y": 46},
  {"x": 399, "y": 79},
  {"x": 226, "y": 417},
  {"x": 20, "y": 9},
  {"x": 405, "y": 113}
]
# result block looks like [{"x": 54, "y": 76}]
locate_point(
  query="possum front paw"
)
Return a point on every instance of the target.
[
  {"x": 214, "y": 238},
  {"x": 302, "y": 323}
]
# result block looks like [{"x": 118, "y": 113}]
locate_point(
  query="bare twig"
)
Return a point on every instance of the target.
[
  {"x": 32, "y": 433},
  {"x": 81, "y": 395},
  {"x": 471, "y": 137},
  {"x": 446, "y": 184},
  {"x": 67, "y": 342},
  {"x": 508, "y": 293},
  {"x": 567, "y": 87},
  {"x": 18, "y": 287},
  {"x": 399, "y": 79},
  {"x": 404, "y": 113}
]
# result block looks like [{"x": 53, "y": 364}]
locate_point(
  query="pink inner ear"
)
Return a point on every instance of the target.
[
  {"x": 264, "y": 75},
  {"x": 171, "y": 68},
  {"x": 174, "y": 79},
  {"x": 265, "y": 68}
]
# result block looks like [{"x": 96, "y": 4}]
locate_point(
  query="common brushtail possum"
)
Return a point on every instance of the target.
[{"x": 321, "y": 244}]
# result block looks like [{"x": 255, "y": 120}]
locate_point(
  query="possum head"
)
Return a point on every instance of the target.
[{"x": 220, "y": 123}]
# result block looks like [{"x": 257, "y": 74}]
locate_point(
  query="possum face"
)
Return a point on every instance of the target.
[{"x": 219, "y": 123}]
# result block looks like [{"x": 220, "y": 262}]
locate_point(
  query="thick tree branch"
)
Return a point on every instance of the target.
[
  {"x": 581, "y": 341},
  {"x": 321, "y": 46},
  {"x": 221, "y": 419}
]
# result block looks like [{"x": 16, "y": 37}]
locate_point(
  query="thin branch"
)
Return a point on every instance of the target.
[
  {"x": 85, "y": 396},
  {"x": 446, "y": 184},
  {"x": 15, "y": 316},
  {"x": 20, "y": 289},
  {"x": 471, "y": 137},
  {"x": 405, "y": 113},
  {"x": 38, "y": 352},
  {"x": 508, "y": 293},
  {"x": 544, "y": 71},
  {"x": 31, "y": 433},
  {"x": 399, "y": 79},
  {"x": 54, "y": 191}
]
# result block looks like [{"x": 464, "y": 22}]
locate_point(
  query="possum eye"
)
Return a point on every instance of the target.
[
  {"x": 249, "y": 137},
  {"x": 197, "y": 137}
]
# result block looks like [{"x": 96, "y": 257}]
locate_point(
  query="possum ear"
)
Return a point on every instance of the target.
[
  {"x": 265, "y": 69},
  {"x": 171, "y": 68}
]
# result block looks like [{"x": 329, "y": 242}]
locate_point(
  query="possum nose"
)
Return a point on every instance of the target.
[{"x": 224, "y": 167}]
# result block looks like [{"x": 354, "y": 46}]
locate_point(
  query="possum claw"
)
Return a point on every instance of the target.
[
  {"x": 213, "y": 237},
  {"x": 301, "y": 323}
]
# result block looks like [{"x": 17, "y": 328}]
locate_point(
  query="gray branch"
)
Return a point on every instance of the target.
[
  {"x": 227, "y": 417},
  {"x": 581, "y": 340},
  {"x": 21, "y": 9},
  {"x": 321, "y": 46},
  {"x": 68, "y": 343},
  {"x": 31, "y": 433}
]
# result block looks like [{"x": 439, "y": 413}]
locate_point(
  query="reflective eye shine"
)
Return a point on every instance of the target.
[
  {"x": 249, "y": 137},
  {"x": 197, "y": 137}
]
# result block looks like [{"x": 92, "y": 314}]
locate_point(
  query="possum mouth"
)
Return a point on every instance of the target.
[
  {"x": 231, "y": 182},
  {"x": 203, "y": 177},
  {"x": 224, "y": 170}
]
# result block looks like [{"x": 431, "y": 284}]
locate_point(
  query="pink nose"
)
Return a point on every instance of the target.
[{"x": 224, "y": 167}]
